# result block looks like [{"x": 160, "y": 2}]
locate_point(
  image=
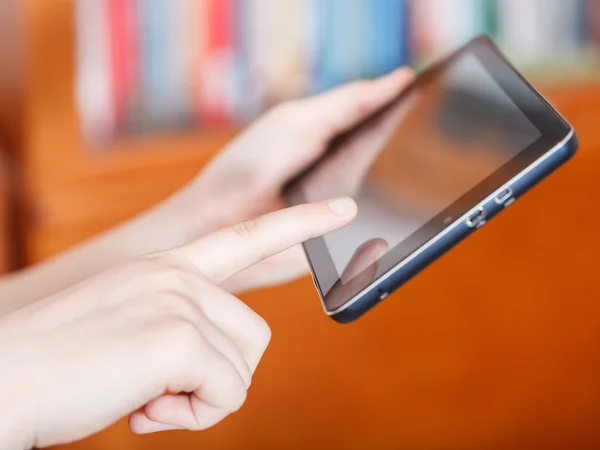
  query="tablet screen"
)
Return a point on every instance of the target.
[{"x": 444, "y": 138}]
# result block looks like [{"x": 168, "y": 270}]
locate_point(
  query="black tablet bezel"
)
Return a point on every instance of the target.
[{"x": 545, "y": 118}]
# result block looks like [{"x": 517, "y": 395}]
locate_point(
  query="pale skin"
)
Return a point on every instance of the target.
[{"x": 102, "y": 332}]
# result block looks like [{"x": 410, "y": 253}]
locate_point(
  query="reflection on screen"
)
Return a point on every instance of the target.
[{"x": 428, "y": 150}]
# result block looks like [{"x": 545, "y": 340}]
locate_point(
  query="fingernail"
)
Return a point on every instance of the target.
[{"x": 343, "y": 206}]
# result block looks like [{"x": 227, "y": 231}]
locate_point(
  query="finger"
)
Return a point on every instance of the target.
[
  {"x": 226, "y": 252},
  {"x": 224, "y": 341},
  {"x": 243, "y": 327},
  {"x": 344, "y": 107},
  {"x": 366, "y": 256},
  {"x": 219, "y": 394},
  {"x": 183, "y": 411},
  {"x": 213, "y": 380},
  {"x": 140, "y": 424},
  {"x": 195, "y": 296},
  {"x": 275, "y": 270}
]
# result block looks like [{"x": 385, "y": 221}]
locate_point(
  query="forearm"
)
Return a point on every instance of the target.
[
  {"x": 13, "y": 435},
  {"x": 16, "y": 430},
  {"x": 163, "y": 227}
]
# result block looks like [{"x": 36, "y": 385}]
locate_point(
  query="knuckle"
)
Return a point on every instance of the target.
[
  {"x": 183, "y": 333},
  {"x": 135, "y": 268},
  {"x": 261, "y": 332},
  {"x": 171, "y": 276},
  {"x": 171, "y": 305},
  {"x": 245, "y": 229},
  {"x": 168, "y": 278},
  {"x": 235, "y": 396},
  {"x": 184, "y": 343},
  {"x": 238, "y": 400},
  {"x": 158, "y": 268},
  {"x": 178, "y": 344}
]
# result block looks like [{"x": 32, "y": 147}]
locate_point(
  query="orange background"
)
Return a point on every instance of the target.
[{"x": 497, "y": 345}]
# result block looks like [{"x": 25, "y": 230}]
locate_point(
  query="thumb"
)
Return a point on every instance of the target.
[
  {"x": 225, "y": 252},
  {"x": 344, "y": 107}
]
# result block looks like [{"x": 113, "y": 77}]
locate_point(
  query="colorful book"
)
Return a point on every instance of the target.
[
  {"x": 441, "y": 26},
  {"x": 386, "y": 36},
  {"x": 287, "y": 60},
  {"x": 241, "y": 79},
  {"x": 217, "y": 61},
  {"x": 540, "y": 31},
  {"x": 340, "y": 41},
  {"x": 94, "y": 85},
  {"x": 593, "y": 15},
  {"x": 196, "y": 23},
  {"x": 154, "y": 45},
  {"x": 182, "y": 67},
  {"x": 124, "y": 59},
  {"x": 257, "y": 44}
]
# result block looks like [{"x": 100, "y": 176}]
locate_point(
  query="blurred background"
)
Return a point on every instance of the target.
[
  {"x": 497, "y": 345},
  {"x": 150, "y": 65}
]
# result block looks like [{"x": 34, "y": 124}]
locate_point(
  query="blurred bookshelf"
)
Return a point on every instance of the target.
[
  {"x": 84, "y": 132},
  {"x": 146, "y": 66}
]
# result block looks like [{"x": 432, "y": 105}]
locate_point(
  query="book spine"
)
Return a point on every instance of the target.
[
  {"x": 311, "y": 45},
  {"x": 237, "y": 79},
  {"x": 94, "y": 83},
  {"x": 241, "y": 79},
  {"x": 452, "y": 23},
  {"x": 393, "y": 36},
  {"x": 531, "y": 39},
  {"x": 340, "y": 34},
  {"x": 217, "y": 61},
  {"x": 125, "y": 61},
  {"x": 257, "y": 45},
  {"x": 489, "y": 17},
  {"x": 287, "y": 65},
  {"x": 376, "y": 33},
  {"x": 593, "y": 19},
  {"x": 154, "y": 61},
  {"x": 595, "y": 22},
  {"x": 183, "y": 48},
  {"x": 324, "y": 76},
  {"x": 118, "y": 42},
  {"x": 421, "y": 31},
  {"x": 197, "y": 21},
  {"x": 266, "y": 49},
  {"x": 349, "y": 39}
]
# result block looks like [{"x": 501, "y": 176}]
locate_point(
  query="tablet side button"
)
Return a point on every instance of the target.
[
  {"x": 505, "y": 197},
  {"x": 477, "y": 218}
]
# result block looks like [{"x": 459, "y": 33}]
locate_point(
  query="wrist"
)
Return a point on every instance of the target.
[
  {"x": 13, "y": 435},
  {"x": 15, "y": 424},
  {"x": 183, "y": 217}
]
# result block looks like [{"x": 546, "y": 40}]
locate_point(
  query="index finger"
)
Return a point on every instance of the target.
[{"x": 225, "y": 252}]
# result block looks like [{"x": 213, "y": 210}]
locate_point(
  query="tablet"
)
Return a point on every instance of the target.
[{"x": 459, "y": 145}]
